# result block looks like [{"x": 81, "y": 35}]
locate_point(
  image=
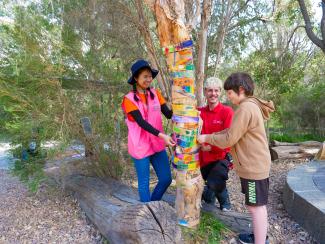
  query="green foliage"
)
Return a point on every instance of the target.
[
  {"x": 306, "y": 104},
  {"x": 29, "y": 171},
  {"x": 52, "y": 44},
  {"x": 294, "y": 136},
  {"x": 243, "y": 27},
  {"x": 210, "y": 230},
  {"x": 63, "y": 60}
]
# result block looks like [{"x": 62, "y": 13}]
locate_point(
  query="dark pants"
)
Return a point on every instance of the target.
[{"x": 215, "y": 175}]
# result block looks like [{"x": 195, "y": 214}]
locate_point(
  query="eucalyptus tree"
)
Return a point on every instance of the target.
[{"x": 313, "y": 36}]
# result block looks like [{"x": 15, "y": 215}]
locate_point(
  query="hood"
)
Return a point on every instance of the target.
[{"x": 266, "y": 107}]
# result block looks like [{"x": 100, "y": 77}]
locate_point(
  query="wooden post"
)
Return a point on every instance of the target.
[{"x": 178, "y": 49}]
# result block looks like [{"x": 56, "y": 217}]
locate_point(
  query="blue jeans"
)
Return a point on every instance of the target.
[
  {"x": 223, "y": 199},
  {"x": 160, "y": 163}
]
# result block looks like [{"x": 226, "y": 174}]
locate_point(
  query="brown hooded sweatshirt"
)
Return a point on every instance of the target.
[{"x": 247, "y": 139}]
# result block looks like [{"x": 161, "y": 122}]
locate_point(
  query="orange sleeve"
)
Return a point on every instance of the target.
[
  {"x": 160, "y": 98},
  {"x": 128, "y": 105}
]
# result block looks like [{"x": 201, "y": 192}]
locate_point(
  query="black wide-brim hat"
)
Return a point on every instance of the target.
[{"x": 139, "y": 64}]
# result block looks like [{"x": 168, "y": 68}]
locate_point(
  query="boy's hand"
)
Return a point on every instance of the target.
[
  {"x": 201, "y": 138},
  {"x": 230, "y": 160}
]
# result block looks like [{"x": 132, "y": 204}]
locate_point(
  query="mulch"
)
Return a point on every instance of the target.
[{"x": 49, "y": 216}]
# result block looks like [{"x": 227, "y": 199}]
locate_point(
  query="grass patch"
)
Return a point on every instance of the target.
[
  {"x": 285, "y": 137},
  {"x": 210, "y": 231}
]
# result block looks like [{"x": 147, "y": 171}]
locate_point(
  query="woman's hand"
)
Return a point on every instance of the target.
[
  {"x": 201, "y": 139},
  {"x": 168, "y": 140},
  {"x": 205, "y": 148}
]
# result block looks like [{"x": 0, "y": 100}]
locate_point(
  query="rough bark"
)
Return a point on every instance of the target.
[
  {"x": 238, "y": 222},
  {"x": 203, "y": 40},
  {"x": 113, "y": 208},
  {"x": 170, "y": 15},
  {"x": 143, "y": 27},
  {"x": 69, "y": 171}
]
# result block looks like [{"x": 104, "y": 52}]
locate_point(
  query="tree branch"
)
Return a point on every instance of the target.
[
  {"x": 240, "y": 9},
  {"x": 260, "y": 18},
  {"x": 309, "y": 28},
  {"x": 291, "y": 35}
]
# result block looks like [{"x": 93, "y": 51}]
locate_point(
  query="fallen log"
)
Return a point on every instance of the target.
[
  {"x": 114, "y": 207},
  {"x": 275, "y": 143},
  {"x": 293, "y": 152}
]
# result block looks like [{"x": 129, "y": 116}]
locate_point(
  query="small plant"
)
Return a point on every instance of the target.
[
  {"x": 210, "y": 230},
  {"x": 30, "y": 169}
]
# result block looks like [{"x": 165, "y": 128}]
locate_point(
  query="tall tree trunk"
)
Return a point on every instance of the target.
[
  {"x": 222, "y": 32},
  {"x": 178, "y": 48},
  {"x": 203, "y": 39}
]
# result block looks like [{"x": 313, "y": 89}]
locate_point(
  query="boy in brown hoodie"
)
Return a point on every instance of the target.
[{"x": 249, "y": 148}]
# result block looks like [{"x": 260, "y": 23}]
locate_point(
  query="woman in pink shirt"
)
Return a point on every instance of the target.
[{"x": 146, "y": 139}]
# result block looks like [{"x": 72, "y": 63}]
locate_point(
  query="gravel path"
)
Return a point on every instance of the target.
[
  {"x": 282, "y": 229},
  {"x": 52, "y": 217},
  {"x": 45, "y": 217}
]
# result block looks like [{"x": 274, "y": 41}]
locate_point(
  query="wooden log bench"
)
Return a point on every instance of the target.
[{"x": 114, "y": 209}]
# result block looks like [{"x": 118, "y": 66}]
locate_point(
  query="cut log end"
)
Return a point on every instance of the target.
[
  {"x": 154, "y": 222},
  {"x": 321, "y": 153}
]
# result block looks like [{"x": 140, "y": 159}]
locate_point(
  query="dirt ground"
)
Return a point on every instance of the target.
[
  {"x": 50, "y": 216},
  {"x": 46, "y": 217}
]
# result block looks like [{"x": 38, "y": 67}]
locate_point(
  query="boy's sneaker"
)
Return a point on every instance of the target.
[{"x": 247, "y": 238}]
